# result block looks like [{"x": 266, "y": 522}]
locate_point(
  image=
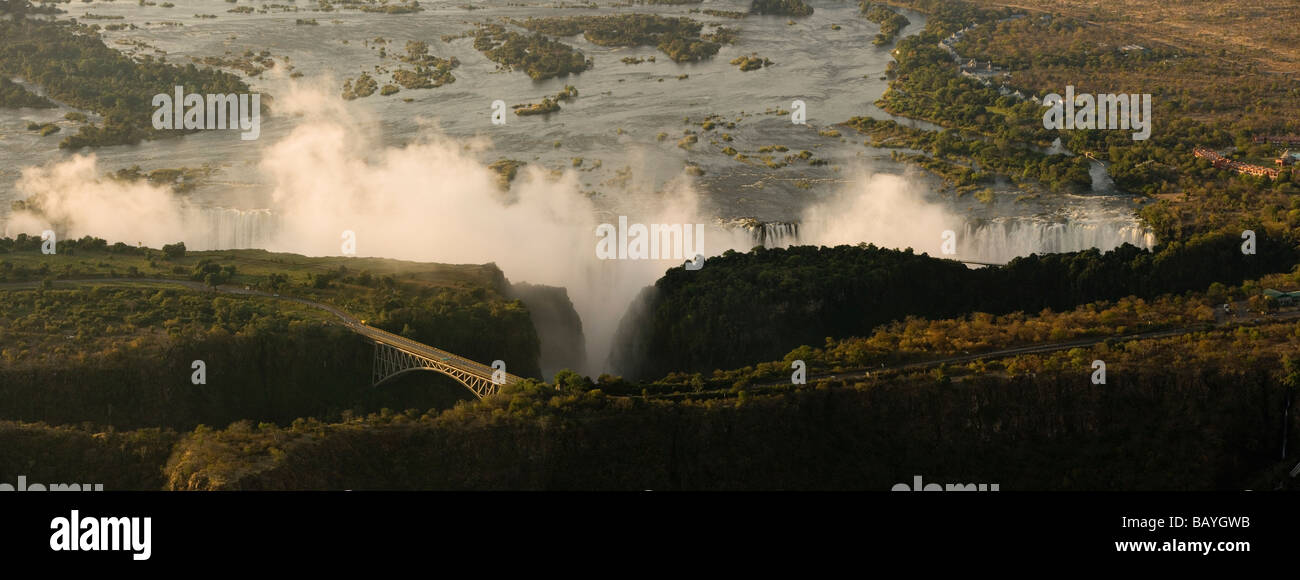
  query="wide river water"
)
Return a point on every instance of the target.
[{"x": 617, "y": 119}]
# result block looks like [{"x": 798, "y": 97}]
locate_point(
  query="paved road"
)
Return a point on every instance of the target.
[{"x": 353, "y": 324}]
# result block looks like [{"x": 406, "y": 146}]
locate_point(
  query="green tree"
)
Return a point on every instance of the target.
[
  {"x": 572, "y": 382},
  {"x": 1290, "y": 372},
  {"x": 173, "y": 251}
]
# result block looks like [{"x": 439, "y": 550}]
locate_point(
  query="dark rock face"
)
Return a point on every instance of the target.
[{"x": 559, "y": 328}]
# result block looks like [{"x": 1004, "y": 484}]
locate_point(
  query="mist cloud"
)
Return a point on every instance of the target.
[
  {"x": 883, "y": 209},
  {"x": 432, "y": 200},
  {"x": 75, "y": 200}
]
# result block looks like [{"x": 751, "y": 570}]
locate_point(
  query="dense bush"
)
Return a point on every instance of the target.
[
  {"x": 118, "y": 460},
  {"x": 74, "y": 66},
  {"x": 14, "y": 96},
  {"x": 748, "y": 307},
  {"x": 1212, "y": 430},
  {"x": 537, "y": 55},
  {"x": 679, "y": 38},
  {"x": 781, "y": 7}
]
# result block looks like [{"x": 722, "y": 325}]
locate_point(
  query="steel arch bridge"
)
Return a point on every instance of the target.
[
  {"x": 396, "y": 355},
  {"x": 392, "y": 361}
]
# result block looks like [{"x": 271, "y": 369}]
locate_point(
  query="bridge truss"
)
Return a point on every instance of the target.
[{"x": 391, "y": 361}]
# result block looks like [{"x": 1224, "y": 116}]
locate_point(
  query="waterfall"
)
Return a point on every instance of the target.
[
  {"x": 759, "y": 233},
  {"x": 1001, "y": 239},
  {"x": 995, "y": 240},
  {"x": 986, "y": 240},
  {"x": 221, "y": 228}
]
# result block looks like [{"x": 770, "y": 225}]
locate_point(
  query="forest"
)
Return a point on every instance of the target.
[
  {"x": 890, "y": 22},
  {"x": 14, "y": 96},
  {"x": 1201, "y": 98},
  {"x": 74, "y": 66},
  {"x": 953, "y": 156},
  {"x": 679, "y": 38},
  {"x": 1203, "y": 411},
  {"x": 123, "y": 357},
  {"x": 781, "y": 7},
  {"x": 538, "y": 56},
  {"x": 1180, "y": 427},
  {"x": 761, "y": 304},
  {"x": 117, "y": 350}
]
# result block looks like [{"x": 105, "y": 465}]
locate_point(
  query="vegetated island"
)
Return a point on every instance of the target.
[
  {"x": 751, "y": 62},
  {"x": 372, "y": 6},
  {"x": 781, "y": 7},
  {"x": 428, "y": 72},
  {"x": 548, "y": 104},
  {"x": 732, "y": 14},
  {"x": 74, "y": 66},
  {"x": 506, "y": 170},
  {"x": 890, "y": 21},
  {"x": 538, "y": 56},
  {"x": 16, "y": 96},
  {"x": 678, "y": 37}
]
